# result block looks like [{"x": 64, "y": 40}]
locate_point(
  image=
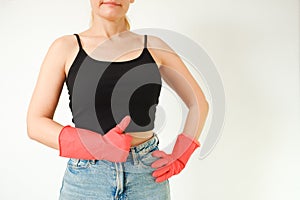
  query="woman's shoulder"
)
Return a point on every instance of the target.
[
  {"x": 64, "y": 46},
  {"x": 64, "y": 42},
  {"x": 158, "y": 48},
  {"x": 157, "y": 42},
  {"x": 60, "y": 50}
]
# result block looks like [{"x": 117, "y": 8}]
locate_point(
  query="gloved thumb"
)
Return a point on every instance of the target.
[{"x": 124, "y": 123}]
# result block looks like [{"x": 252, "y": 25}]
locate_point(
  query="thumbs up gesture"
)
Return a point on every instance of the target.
[
  {"x": 81, "y": 143},
  {"x": 120, "y": 142}
]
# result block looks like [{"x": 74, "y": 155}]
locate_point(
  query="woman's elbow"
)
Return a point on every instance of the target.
[
  {"x": 201, "y": 105},
  {"x": 206, "y": 106},
  {"x": 30, "y": 128},
  {"x": 33, "y": 122}
]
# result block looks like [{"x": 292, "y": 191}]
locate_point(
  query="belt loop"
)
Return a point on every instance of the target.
[
  {"x": 156, "y": 136},
  {"x": 134, "y": 156},
  {"x": 92, "y": 162},
  {"x": 76, "y": 161}
]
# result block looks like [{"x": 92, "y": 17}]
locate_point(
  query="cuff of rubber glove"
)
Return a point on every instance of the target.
[
  {"x": 187, "y": 145},
  {"x": 70, "y": 145},
  {"x": 60, "y": 141},
  {"x": 191, "y": 138}
]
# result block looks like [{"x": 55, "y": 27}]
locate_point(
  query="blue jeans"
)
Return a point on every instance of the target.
[{"x": 105, "y": 180}]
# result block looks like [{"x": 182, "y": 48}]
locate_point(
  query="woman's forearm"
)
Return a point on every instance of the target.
[
  {"x": 44, "y": 130},
  {"x": 195, "y": 120}
]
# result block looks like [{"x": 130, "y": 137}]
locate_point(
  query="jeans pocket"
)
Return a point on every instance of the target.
[{"x": 76, "y": 165}]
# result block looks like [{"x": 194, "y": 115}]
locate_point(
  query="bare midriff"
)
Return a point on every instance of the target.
[{"x": 140, "y": 137}]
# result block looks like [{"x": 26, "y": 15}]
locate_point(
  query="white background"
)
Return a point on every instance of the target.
[{"x": 255, "y": 46}]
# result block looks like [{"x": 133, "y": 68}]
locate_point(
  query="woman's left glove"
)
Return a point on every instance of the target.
[{"x": 172, "y": 164}]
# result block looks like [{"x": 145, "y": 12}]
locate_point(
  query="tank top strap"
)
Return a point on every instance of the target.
[
  {"x": 78, "y": 40},
  {"x": 145, "y": 41}
]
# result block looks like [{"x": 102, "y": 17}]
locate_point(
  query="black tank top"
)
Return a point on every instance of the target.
[{"x": 101, "y": 93}]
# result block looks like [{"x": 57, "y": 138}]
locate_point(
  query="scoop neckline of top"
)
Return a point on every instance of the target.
[{"x": 106, "y": 61}]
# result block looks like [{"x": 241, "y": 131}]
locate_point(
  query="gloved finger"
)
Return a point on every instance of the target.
[
  {"x": 161, "y": 171},
  {"x": 159, "y": 163},
  {"x": 124, "y": 123},
  {"x": 164, "y": 177},
  {"x": 159, "y": 154}
]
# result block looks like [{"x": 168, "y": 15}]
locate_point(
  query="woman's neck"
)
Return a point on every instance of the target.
[{"x": 107, "y": 28}]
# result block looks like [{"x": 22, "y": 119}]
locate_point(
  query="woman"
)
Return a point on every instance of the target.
[{"x": 105, "y": 162}]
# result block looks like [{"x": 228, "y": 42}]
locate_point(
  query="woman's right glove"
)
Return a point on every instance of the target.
[{"x": 85, "y": 144}]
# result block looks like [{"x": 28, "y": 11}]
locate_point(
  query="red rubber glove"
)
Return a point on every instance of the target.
[
  {"x": 85, "y": 144},
  {"x": 172, "y": 164}
]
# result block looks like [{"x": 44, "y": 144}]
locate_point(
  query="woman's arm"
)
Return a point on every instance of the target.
[
  {"x": 40, "y": 124},
  {"x": 70, "y": 141},
  {"x": 177, "y": 76}
]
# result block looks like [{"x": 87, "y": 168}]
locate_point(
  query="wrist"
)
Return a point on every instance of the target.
[
  {"x": 184, "y": 147},
  {"x": 192, "y": 138}
]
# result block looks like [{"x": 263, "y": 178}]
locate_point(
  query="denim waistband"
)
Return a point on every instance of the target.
[
  {"x": 147, "y": 145},
  {"x": 142, "y": 148}
]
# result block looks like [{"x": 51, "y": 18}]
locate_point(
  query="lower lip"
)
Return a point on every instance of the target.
[{"x": 110, "y": 4}]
